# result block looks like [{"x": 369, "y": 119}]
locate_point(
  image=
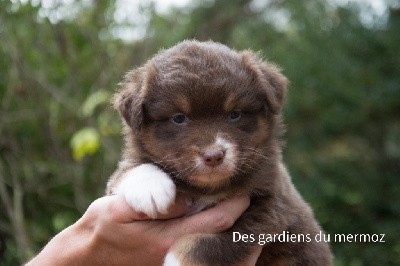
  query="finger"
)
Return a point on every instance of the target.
[
  {"x": 117, "y": 209},
  {"x": 178, "y": 209},
  {"x": 214, "y": 220}
]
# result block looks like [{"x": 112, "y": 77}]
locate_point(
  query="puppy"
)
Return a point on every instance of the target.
[{"x": 205, "y": 120}]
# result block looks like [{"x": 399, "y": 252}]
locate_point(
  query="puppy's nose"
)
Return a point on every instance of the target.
[{"x": 213, "y": 157}]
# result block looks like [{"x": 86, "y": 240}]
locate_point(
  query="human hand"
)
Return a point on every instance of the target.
[{"x": 112, "y": 233}]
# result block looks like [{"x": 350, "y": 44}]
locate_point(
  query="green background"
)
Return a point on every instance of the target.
[{"x": 60, "y": 139}]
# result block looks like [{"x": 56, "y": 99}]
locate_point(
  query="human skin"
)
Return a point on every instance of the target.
[{"x": 112, "y": 233}]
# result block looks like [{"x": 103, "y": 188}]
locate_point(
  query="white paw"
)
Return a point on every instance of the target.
[
  {"x": 147, "y": 189},
  {"x": 171, "y": 260}
]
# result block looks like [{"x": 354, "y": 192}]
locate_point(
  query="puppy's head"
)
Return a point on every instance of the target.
[{"x": 205, "y": 113}]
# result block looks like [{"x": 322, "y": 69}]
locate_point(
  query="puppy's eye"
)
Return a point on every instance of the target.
[
  {"x": 235, "y": 115},
  {"x": 179, "y": 119}
]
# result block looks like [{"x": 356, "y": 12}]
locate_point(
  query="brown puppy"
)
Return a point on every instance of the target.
[{"x": 205, "y": 120}]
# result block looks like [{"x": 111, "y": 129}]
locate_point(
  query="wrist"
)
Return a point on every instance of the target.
[{"x": 69, "y": 247}]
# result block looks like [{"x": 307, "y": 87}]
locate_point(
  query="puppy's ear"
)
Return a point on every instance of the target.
[
  {"x": 272, "y": 81},
  {"x": 128, "y": 100}
]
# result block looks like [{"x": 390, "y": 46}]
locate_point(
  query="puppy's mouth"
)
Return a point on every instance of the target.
[{"x": 212, "y": 177}]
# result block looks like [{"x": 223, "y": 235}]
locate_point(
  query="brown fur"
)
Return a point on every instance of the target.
[{"x": 206, "y": 81}]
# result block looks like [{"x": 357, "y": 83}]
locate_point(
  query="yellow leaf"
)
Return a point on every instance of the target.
[{"x": 84, "y": 142}]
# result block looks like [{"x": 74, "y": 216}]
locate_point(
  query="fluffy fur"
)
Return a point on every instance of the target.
[{"x": 205, "y": 120}]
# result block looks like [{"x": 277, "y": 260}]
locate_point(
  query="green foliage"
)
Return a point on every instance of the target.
[
  {"x": 94, "y": 100},
  {"x": 60, "y": 140},
  {"x": 84, "y": 142}
]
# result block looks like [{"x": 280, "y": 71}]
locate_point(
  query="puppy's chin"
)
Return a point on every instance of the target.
[{"x": 212, "y": 178}]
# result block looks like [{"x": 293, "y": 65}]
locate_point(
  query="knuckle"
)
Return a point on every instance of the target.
[
  {"x": 111, "y": 208},
  {"x": 94, "y": 207}
]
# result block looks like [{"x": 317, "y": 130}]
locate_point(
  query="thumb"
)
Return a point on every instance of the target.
[
  {"x": 214, "y": 220},
  {"x": 116, "y": 208}
]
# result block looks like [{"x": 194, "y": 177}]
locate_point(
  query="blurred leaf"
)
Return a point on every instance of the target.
[
  {"x": 93, "y": 100},
  {"x": 84, "y": 142}
]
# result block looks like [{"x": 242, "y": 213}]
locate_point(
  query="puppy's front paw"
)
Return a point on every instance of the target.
[
  {"x": 171, "y": 260},
  {"x": 181, "y": 253},
  {"x": 207, "y": 249},
  {"x": 148, "y": 189}
]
